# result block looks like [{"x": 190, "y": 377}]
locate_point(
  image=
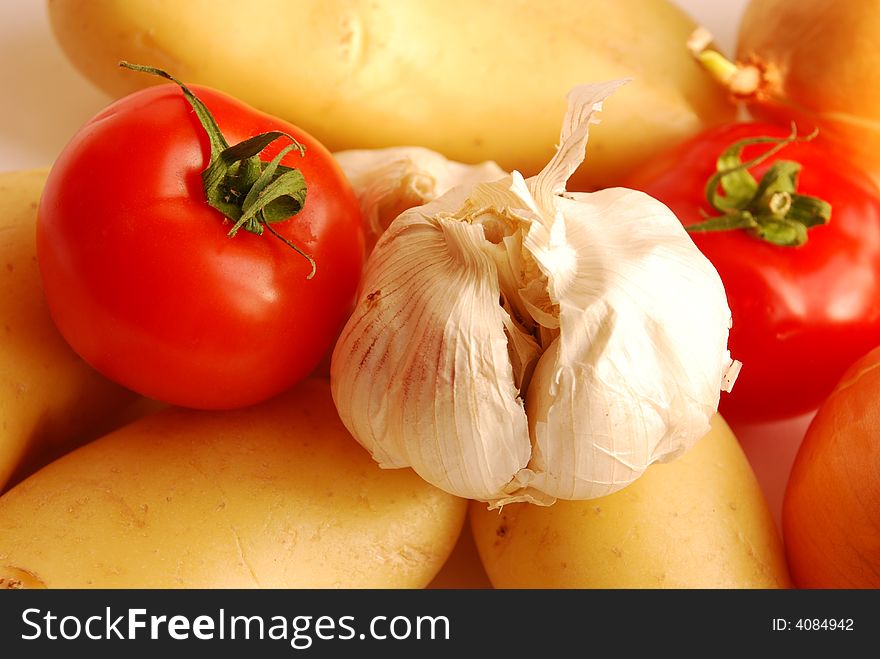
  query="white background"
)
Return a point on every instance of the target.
[{"x": 45, "y": 100}]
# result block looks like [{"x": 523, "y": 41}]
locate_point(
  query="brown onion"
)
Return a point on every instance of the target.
[{"x": 819, "y": 64}]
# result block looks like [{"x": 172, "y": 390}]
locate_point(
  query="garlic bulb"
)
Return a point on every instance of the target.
[
  {"x": 392, "y": 180},
  {"x": 515, "y": 342}
]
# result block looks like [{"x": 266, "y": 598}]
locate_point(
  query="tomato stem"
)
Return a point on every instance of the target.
[
  {"x": 250, "y": 192},
  {"x": 769, "y": 209}
]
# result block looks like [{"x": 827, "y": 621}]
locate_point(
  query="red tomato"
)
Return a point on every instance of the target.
[
  {"x": 143, "y": 281},
  {"x": 831, "y": 509},
  {"x": 801, "y": 314}
]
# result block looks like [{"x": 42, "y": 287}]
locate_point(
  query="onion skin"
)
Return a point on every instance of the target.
[
  {"x": 821, "y": 68},
  {"x": 831, "y": 509}
]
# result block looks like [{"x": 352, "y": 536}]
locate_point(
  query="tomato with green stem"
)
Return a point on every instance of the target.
[
  {"x": 191, "y": 271},
  {"x": 794, "y": 232}
]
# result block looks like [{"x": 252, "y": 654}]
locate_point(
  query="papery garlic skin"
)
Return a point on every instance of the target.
[
  {"x": 391, "y": 180},
  {"x": 515, "y": 342},
  {"x": 421, "y": 374},
  {"x": 623, "y": 399}
]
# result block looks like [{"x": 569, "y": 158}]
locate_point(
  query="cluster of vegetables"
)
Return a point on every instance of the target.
[{"x": 224, "y": 291}]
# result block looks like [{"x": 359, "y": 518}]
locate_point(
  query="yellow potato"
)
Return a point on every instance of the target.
[
  {"x": 274, "y": 496},
  {"x": 473, "y": 80},
  {"x": 50, "y": 399},
  {"x": 700, "y": 521}
]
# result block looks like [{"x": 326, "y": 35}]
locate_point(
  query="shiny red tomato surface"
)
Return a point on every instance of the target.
[
  {"x": 143, "y": 281},
  {"x": 801, "y": 315}
]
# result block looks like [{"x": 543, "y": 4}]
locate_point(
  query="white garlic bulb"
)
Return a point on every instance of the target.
[
  {"x": 391, "y": 180},
  {"x": 516, "y": 342}
]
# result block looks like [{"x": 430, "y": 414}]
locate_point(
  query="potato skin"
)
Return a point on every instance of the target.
[
  {"x": 473, "y": 80},
  {"x": 274, "y": 496},
  {"x": 700, "y": 521},
  {"x": 50, "y": 399}
]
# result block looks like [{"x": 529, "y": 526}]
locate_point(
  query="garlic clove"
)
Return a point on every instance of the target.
[{"x": 422, "y": 373}]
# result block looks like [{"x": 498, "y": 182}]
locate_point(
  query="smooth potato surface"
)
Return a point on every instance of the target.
[
  {"x": 274, "y": 496},
  {"x": 50, "y": 399},
  {"x": 473, "y": 80},
  {"x": 700, "y": 521}
]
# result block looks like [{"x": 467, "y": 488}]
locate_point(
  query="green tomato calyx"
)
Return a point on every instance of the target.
[
  {"x": 252, "y": 193},
  {"x": 770, "y": 209}
]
